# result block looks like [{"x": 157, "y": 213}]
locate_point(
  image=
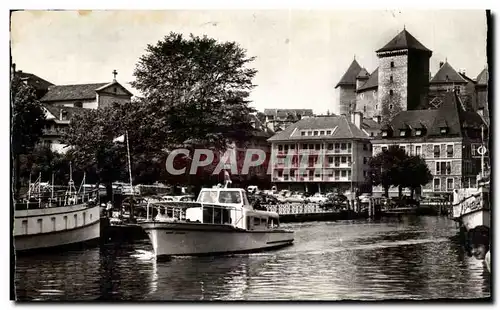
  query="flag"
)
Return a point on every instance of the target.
[{"x": 119, "y": 139}]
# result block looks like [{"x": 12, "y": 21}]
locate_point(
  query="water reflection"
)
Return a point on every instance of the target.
[{"x": 409, "y": 257}]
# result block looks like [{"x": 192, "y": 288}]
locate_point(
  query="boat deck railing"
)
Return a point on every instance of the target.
[
  {"x": 177, "y": 212},
  {"x": 59, "y": 200}
]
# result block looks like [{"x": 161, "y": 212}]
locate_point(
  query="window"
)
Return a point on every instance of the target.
[
  {"x": 343, "y": 160},
  {"x": 84, "y": 216},
  {"x": 309, "y": 133},
  {"x": 371, "y": 134},
  {"x": 391, "y": 92},
  {"x": 449, "y": 150},
  {"x": 315, "y": 132},
  {"x": 286, "y": 147},
  {"x": 349, "y": 174},
  {"x": 391, "y": 79},
  {"x": 304, "y": 146},
  {"x": 65, "y": 222},
  {"x": 418, "y": 150},
  {"x": 322, "y": 133},
  {"x": 24, "y": 226},
  {"x": 302, "y": 133},
  {"x": 344, "y": 173},
  {"x": 365, "y": 148},
  {"x": 437, "y": 151},
  {"x": 349, "y": 146},
  {"x": 365, "y": 160},
  {"x": 330, "y": 160},
  {"x": 391, "y": 106},
  {"x": 292, "y": 146},
  {"x": 280, "y": 147},
  {"x": 285, "y": 177},
  {"x": 384, "y": 133},
  {"x": 343, "y": 146},
  {"x": 402, "y": 147},
  {"x": 76, "y": 219},
  {"x": 280, "y": 174},
  {"x": 473, "y": 149},
  {"x": 437, "y": 185},
  {"x": 256, "y": 221},
  {"x": 438, "y": 170},
  {"x": 317, "y": 175},
  {"x": 418, "y": 132},
  {"x": 115, "y": 89},
  {"x": 402, "y": 133},
  {"x": 91, "y": 217},
  {"x": 318, "y": 147},
  {"x": 392, "y": 64},
  {"x": 311, "y": 146},
  {"x": 384, "y": 148},
  {"x": 364, "y": 109},
  {"x": 444, "y": 130},
  {"x": 337, "y": 145},
  {"x": 39, "y": 223},
  {"x": 53, "y": 220},
  {"x": 328, "y": 132},
  {"x": 449, "y": 184},
  {"x": 78, "y": 104},
  {"x": 330, "y": 146}
]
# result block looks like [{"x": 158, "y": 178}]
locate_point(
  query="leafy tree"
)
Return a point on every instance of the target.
[
  {"x": 28, "y": 121},
  {"x": 386, "y": 168},
  {"x": 90, "y": 136},
  {"x": 196, "y": 88},
  {"x": 416, "y": 168},
  {"x": 261, "y": 117}
]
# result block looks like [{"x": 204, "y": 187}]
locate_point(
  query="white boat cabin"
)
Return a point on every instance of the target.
[{"x": 221, "y": 206}]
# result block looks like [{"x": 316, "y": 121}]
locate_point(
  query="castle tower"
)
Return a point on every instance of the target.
[
  {"x": 347, "y": 88},
  {"x": 403, "y": 80}
]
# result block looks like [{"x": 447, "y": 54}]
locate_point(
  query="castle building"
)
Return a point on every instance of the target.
[{"x": 447, "y": 138}]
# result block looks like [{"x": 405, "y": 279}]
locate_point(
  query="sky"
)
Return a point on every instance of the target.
[{"x": 300, "y": 54}]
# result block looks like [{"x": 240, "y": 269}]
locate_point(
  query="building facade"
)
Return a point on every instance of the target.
[
  {"x": 61, "y": 102},
  {"x": 327, "y": 153},
  {"x": 447, "y": 138}
]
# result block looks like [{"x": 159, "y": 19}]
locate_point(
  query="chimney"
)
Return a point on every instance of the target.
[
  {"x": 14, "y": 67},
  {"x": 441, "y": 64},
  {"x": 358, "y": 119}
]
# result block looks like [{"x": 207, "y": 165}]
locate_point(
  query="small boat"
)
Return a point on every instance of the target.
[
  {"x": 471, "y": 206},
  {"x": 221, "y": 221},
  {"x": 46, "y": 220}
]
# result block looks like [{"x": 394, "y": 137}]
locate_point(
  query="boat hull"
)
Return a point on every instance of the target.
[
  {"x": 50, "y": 228},
  {"x": 182, "y": 239},
  {"x": 475, "y": 218}
]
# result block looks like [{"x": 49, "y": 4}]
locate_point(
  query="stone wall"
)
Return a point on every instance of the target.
[
  {"x": 367, "y": 103},
  {"x": 391, "y": 104},
  {"x": 347, "y": 97}
]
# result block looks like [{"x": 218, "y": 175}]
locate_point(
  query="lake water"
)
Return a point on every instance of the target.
[{"x": 399, "y": 258}]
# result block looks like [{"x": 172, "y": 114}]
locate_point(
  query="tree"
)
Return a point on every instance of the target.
[
  {"x": 197, "y": 89},
  {"x": 261, "y": 117},
  {"x": 386, "y": 168},
  {"x": 415, "y": 167},
  {"x": 28, "y": 121},
  {"x": 90, "y": 136}
]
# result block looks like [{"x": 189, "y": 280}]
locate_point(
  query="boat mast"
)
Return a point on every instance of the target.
[
  {"x": 129, "y": 165},
  {"x": 482, "y": 153},
  {"x": 39, "y": 189},
  {"x": 52, "y": 194}
]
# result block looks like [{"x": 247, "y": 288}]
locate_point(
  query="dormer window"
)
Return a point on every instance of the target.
[
  {"x": 302, "y": 133},
  {"x": 418, "y": 132},
  {"x": 322, "y": 133},
  {"x": 391, "y": 79},
  {"x": 328, "y": 132},
  {"x": 444, "y": 130},
  {"x": 384, "y": 133},
  {"x": 402, "y": 133},
  {"x": 315, "y": 132}
]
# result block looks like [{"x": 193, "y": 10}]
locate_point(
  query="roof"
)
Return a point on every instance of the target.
[
  {"x": 450, "y": 114},
  {"x": 372, "y": 82},
  {"x": 369, "y": 123},
  {"x": 363, "y": 74},
  {"x": 34, "y": 80},
  {"x": 404, "y": 40},
  {"x": 286, "y": 112},
  {"x": 344, "y": 129},
  {"x": 56, "y": 111},
  {"x": 482, "y": 78},
  {"x": 446, "y": 74},
  {"x": 78, "y": 91},
  {"x": 349, "y": 77},
  {"x": 72, "y": 92}
]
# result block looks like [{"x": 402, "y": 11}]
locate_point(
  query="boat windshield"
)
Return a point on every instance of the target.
[
  {"x": 229, "y": 197},
  {"x": 208, "y": 197}
]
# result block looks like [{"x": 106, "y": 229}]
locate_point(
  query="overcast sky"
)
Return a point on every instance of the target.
[{"x": 301, "y": 55}]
